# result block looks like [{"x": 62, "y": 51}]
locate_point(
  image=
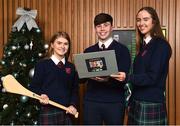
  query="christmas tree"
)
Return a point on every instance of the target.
[{"x": 25, "y": 47}]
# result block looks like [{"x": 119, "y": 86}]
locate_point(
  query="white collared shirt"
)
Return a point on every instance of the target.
[
  {"x": 147, "y": 39},
  {"x": 56, "y": 60},
  {"x": 106, "y": 43}
]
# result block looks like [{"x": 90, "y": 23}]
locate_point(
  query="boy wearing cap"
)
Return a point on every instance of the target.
[{"x": 104, "y": 101}]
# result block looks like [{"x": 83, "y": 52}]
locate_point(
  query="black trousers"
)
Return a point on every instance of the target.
[{"x": 98, "y": 113}]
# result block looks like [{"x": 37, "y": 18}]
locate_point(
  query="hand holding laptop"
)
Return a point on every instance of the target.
[{"x": 120, "y": 76}]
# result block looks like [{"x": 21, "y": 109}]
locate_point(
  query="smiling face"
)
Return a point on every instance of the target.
[
  {"x": 144, "y": 23},
  {"x": 60, "y": 47},
  {"x": 103, "y": 31}
]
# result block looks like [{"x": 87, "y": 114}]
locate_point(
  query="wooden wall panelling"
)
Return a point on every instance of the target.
[
  {"x": 97, "y": 10},
  {"x": 1, "y": 28},
  {"x": 78, "y": 27},
  {"x": 132, "y": 14},
  {"x": 152, "y": 3},
  {"x": 119, "y": 12},
  {"x": 87, "y": 23},
  {"x": 112, "y": 11},
  {"x": 9, "y": 17},
  {"x": 66, "y": 14},
  {"x": 171, "y": 88},
  {"x": 63, "y": 14},
  {"x": 69, "y": 17},
  {"x": 139, "y": 4},
  {"x": 125, "y": 13},
  {"x": 5, "y": 20},
  {"x": 15, "y": 6},
  {"x": 177, "y": 62},
  {"x": 92, "y": 24},
  {"x": 100, "y": 6},
  {"x": 28, "y": 3},
  {"x": 21, "y": 3},
  {"x": 164, "y": 13},
  {"x": 72, "y": 29},
  {"x": 81, "y": 27},
  {"x": 55, "y": 16},
  {"x": 46, "y": 16},
  {"x": 40, "y": 14},
  {"x": 33, "y": 4},
  {"x": 106, "y": 5},
  {"x": 145, "y": 2},
  {"x": 47, "y": 22},
  {"x": 51, "y": 17},
  {"x": 158, "y": 8},
  {"x": 75, "y": 33},
  {"x": 57, "y": 11}
]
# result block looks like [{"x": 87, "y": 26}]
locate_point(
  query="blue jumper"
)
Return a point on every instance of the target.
[
  {"x": 150, "y": 70},
  {"x": 60, "y": 84},
  {"x": 112, "y": 90}
]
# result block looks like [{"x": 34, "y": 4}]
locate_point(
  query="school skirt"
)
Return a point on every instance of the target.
[
  {"x": 50, "y": 115},
  {"x": 147, "y": 113}
]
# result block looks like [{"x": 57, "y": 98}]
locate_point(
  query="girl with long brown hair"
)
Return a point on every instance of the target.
[{"x": 150, "y": 69}]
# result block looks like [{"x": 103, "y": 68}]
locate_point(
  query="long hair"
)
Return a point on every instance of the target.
[
  {"x": 156, "y": 31},
  {"x": 52, "y": 40}
]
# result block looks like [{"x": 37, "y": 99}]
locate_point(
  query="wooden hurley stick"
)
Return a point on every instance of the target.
[{"x": 11, "y": 85}]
